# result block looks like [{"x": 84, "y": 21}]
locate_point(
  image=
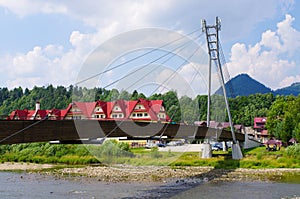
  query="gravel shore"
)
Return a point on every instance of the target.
[{"x": 128, "y": 173}]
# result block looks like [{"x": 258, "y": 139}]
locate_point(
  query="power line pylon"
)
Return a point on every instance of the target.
[{"x": 212, "y": 38}]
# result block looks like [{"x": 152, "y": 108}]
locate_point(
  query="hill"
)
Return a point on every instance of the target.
[
  {"x": 244, "y": 85},
  {"x": 294, "y": 89}
]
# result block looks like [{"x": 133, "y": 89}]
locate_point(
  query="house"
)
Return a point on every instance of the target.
[
  {"x": 260, "y": 128},
  {"x": 137, "y": 110},
  {"x": 36, "y": 114},
  {"x": 259, "y": 123}
]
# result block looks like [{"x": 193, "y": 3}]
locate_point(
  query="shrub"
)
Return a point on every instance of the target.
[
  {"x": 155, "y": 152},
  {"x": 293, "y": 151}
]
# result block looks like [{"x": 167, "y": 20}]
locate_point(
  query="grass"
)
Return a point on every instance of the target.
[{"x": 114, "y": 153}]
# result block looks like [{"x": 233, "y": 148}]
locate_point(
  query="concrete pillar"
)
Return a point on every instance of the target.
[
  {"x": 236, "y": 152},
  {"x": 206, "y": 150},
  {"x": 225, "y": 147}
]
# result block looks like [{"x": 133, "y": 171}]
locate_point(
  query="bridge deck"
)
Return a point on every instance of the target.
[{"x": 18, "y": 131}]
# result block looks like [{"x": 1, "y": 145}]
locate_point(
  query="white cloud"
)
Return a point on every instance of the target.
[
  {"x": 58, "y": 65},
  {"x": 28, "y": 7},
  {"x": 289, "y": 80},
  {"x": 41, "y": 66},
  {"x": 270, "y": 60}
]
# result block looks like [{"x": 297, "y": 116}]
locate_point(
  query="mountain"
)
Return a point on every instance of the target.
[
  {"x": 294, "y": 89},
  {"x": 244, "y": 85}
]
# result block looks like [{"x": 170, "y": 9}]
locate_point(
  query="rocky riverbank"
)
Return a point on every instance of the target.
[
  {"x": 20, "y": 166},
  {"x": 127, "y": 173}
]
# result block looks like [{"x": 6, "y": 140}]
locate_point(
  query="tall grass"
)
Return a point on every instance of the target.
[
  {"x": 113, "y": 152},
  {"x": 293, "y": 151}
]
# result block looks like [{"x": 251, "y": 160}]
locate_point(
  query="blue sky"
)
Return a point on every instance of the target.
[{"x": 46, "y": 42}]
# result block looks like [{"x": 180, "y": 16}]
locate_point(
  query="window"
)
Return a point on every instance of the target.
[
  {"x": 75, "y": 109},
  {"x": 139, "y": 115},
  {"x": 133, "y": 115},
  {"x": 120, "y": 115},
  {"x": 76, "y": 117},
  {"x": 139, "y": 106},
  {"x": 98, "y": 109},
  {"x": 161, "y": 115},
  {"x": 145, "y": 114}
]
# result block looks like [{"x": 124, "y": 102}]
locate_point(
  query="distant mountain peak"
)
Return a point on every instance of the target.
[
  {"x": 293, "y": 89},
  {"x": 244, "y": 85}
]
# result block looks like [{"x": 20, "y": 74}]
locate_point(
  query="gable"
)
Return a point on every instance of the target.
[{"x": 86, "y": 108}]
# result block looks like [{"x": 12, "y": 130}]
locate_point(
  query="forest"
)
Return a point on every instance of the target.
[{"x": 283, "y": 112}]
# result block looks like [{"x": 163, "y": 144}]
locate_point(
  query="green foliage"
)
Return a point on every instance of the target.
[
  {"x": 293, "y": 151},
  {"x": 118, "y": 152},
  {"x": 284, "y": 118},
  {"x": 245, "y": 108},
  {"x": 49, "y": 97},
  {"x": 155, "y": 153},
  {"x": 46, "y": 153}
]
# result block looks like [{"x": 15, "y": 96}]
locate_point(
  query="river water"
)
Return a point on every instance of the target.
[{"x": 34, "y": 186}]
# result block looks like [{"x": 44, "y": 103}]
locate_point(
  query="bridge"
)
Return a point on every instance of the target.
[{"x": 25, "y": 131}]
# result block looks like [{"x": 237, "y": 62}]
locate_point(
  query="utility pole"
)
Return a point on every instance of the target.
[{"x": 212, "y": 38}]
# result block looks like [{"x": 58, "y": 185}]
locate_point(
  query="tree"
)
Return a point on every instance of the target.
[
  {"x": 284, "y": 118},
  {"x": 134, "y": 95},
  {"x": 124, "y": 95},
  {"x": 113, "y": 95}
]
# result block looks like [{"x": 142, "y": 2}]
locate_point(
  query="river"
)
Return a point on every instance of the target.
[{"x": 35, "y": 186}]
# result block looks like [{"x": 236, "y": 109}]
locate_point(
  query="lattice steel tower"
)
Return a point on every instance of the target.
[{"x": 214, "y": 48}]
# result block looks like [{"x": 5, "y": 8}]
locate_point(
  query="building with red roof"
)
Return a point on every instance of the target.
[
  {"x": 260, "y": 128},
  {"x": 137, "y": 110}
]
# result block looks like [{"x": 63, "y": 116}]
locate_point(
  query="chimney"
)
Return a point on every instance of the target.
[{"x": 37, "y": 106}]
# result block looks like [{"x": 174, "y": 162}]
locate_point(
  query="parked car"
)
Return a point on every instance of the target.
[
  {"x": 160, "y": 145},
  {"x": 176, "y": 143},
  {"x": 149, "y": 145},
  {"x": 217, "y": 146}
]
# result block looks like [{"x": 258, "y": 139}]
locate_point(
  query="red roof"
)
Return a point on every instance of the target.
[
  {"x": 87, "y": 108},
  {"x": 64, "y": 112},
  {"x": 259, "y": 122},
  {"x": 152, "y": 107},
  {"x": 130, "y": 106},
  {"x": 260, "y": 119},
  {"x": 21, "y": 114}
]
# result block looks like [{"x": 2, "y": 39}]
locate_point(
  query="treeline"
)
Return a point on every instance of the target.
[
  {"x": 284, "y": 118},
  {"x": 180, "y": 109},
  {"x": 50, "y": 97}
]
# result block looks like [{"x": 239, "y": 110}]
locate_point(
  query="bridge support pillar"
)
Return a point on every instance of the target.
[
  {"x": 236, "y": 151},
  {"x": 206, "y": 150},
  {"x": 225, "y": 147}
]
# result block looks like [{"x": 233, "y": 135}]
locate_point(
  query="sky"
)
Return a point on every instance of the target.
[{"x": 48, "y": 42}]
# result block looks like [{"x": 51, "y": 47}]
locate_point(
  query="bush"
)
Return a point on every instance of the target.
[
  {"x": 293, "y": 151},
  {"x": 155, "y": 152}
]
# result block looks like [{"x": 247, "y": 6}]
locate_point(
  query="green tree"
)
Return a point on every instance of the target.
[
  {"x": 284, "y": 118},
  {"x": 134, "y": 95}
]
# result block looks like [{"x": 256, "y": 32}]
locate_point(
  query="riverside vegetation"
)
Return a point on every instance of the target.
[{"x": 113, "y": 152}]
